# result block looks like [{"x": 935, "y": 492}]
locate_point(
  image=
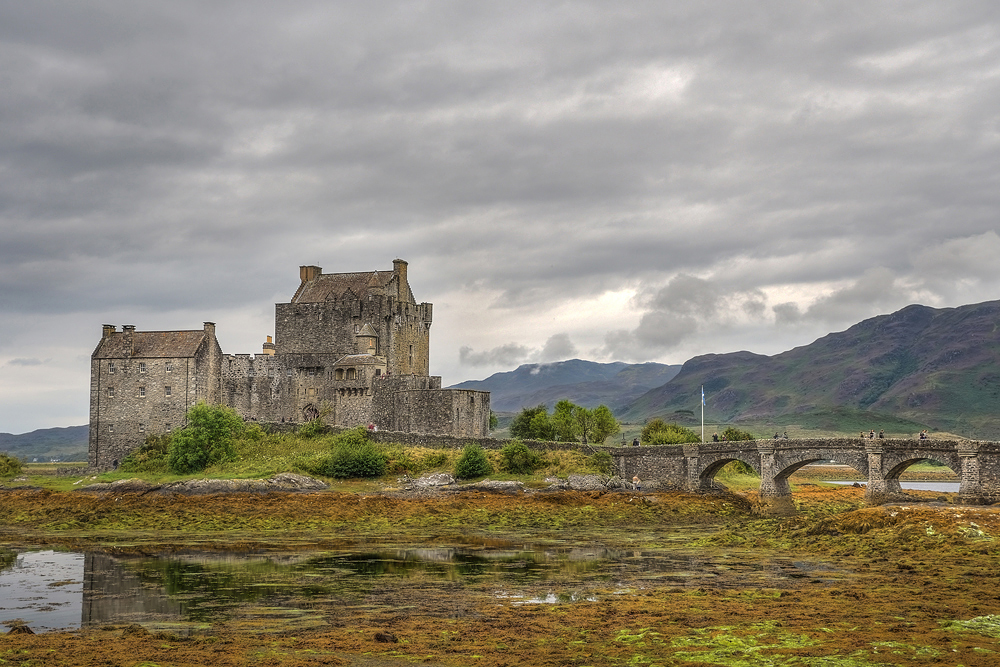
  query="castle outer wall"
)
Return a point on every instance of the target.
[{"x": 352, "y": 347}]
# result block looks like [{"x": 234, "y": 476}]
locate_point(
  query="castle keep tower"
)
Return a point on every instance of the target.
[{"x": 354, "y": 347}]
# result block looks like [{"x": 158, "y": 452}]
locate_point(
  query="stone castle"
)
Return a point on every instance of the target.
[{"x": 354, "y": 347}]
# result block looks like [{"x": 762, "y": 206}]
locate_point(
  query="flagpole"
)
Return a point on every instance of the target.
[{"x": 703, "y": 413}]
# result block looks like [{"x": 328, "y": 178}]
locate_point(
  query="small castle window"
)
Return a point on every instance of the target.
[
  {"x": 357, "y": 328},
  {"x": 111, "y": 392},
  {"x": 142, "y": 366},
  {"x": 378, "y": 372},
  {"x": 340, "y": 374},
  {"x": 142, "y": 427},
  {"x": 166, "y": 390},
  {"x": 170, "y": 366},
  {"x": 351, "y": 374},
  {"x": 288, "y": 372},
  {"x": 142, "y": 392},
  {"x": 168, "y": 426},
  {"x": 111, "y": 367},
  {"x": 312, "y": 372},
  {"x": 312, "y": 391},
  {"x": 111, "y": 428}
]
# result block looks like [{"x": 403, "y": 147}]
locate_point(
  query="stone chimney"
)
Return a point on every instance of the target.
[
  {"x": 307, "y": 273},
  {"x": 268, "y": 347},
  {"x": 107, "y": 330},
  {"x": 210, "y": 329},
  {"x": 399, "y": 268},
  {"x": 129, "y": 331}
]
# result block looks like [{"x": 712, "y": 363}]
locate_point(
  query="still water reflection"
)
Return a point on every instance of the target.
[{"x": 69, "y": 590}]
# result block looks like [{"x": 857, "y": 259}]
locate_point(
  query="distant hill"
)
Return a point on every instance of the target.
[
  {"x": 585, "y": 383},
  {"x": 939, "y": 367},
  {"x": 66, "y": 444}
]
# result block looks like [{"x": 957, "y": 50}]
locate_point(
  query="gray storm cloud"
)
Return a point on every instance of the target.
[{"x": 650, "y": 180}]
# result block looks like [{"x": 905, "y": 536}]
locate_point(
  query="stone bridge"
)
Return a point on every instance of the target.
[{"x": 693, "y": 467}]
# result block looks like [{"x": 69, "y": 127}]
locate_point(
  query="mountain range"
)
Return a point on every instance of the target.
[
  {"x": 585, "y": 383},
  {"x": 64, "y": 444},
  {"x": 933, "y": 366},
  {"x": 919, "y": 367}
]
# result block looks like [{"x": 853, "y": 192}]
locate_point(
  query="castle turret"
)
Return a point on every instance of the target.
[{"x": 399, "y": 268}]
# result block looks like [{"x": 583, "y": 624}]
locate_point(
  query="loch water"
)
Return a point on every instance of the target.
[{"x": 52, "y": 590}]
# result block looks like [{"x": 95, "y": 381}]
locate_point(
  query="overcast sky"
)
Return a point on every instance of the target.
[{"x": 634, "y": 181}]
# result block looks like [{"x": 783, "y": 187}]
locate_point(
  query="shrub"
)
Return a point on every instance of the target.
[
  {"x": 352, "y": 462},
  {"x": 472, "y": 463},
  {"x": 518, "y": 459},
  {"x": 602, "y": 463},
  {"x": 434, "y": 460},
  {"x": 150, "y": 457},
  {"x": 657, "y": 432},
  {"x": 10, "y": 466},
  {"x": 207, "y": 438},
  {"x": 734, "y": 434},
  {"x": 355, "y": 437},
  {"x": 312, "y": 428}
]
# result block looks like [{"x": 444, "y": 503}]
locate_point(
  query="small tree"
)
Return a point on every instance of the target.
[
  {"x": 658, "y": 432},
  {"x": 207, "y": 438},
  {"x": 472, "y": 463},
  {"x": 605, "y": 424},
  {"x": 529, "y": 421},
  {"x": 494, "y": 421},
  {"x": 584, "y": 420},
  {"x": 566, "y": 429},
  {"x": 10, "y": 466}
]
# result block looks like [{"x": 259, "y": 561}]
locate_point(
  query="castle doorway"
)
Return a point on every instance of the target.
[{"x": 310, "y": 412}]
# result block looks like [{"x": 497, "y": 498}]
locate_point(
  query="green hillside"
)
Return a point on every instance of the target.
[{"x": 919, "y": 366}]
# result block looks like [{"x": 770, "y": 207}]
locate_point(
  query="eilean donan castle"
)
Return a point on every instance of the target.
[{"x": 353, "y": 346}]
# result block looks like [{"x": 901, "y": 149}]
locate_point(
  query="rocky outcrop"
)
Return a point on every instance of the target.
[{"x": 283, "y": 483}]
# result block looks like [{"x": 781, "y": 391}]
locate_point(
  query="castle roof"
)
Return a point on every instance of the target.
[
  {"x": 360, "y": 360},
  {"x": 367, "y": 331},
  {"x": 150, "y": 344},
  {"x": 332, "y": 285}
]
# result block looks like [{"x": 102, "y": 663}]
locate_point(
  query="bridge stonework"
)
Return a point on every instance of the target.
[{"x": 693, "y": 467}]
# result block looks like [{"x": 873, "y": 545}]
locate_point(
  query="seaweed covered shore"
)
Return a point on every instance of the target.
[{"x": 916, "y": 583}]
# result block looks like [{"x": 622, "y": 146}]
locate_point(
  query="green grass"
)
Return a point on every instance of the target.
[{"x": 271, "y": 454}]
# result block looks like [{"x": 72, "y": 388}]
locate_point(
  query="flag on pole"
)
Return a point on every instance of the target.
[{"x": 702, "y": 395}]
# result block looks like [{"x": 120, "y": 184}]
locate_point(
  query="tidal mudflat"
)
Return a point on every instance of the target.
[{"x": 556, "y": 578}]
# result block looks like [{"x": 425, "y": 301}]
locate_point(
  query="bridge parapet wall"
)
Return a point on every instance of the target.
[
  {"x": 665, "y": 463},
  {"x": 882, "y": 460}
]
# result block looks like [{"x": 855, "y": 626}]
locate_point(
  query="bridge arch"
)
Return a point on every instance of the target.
[{"x": 711, "y": 465}]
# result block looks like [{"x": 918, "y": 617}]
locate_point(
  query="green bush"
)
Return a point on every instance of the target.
[
  {"x": 353, "y": 462},
  {"x": 472, "y": 463},
  {"x": 657, "y": 432},
  {"x": 602, "y": 463},
  {"x": 207, "y": 438},
  {"x": 399, "y": 461},
  {"x": 735, "y": 435},
  {"x": 312, "y": 428},
  {"x": 10, "y": 466},
  {"x": 434, "y": 460},
  {"x": 518, "y": 459},
  {"x": 150, "y": 457}
]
